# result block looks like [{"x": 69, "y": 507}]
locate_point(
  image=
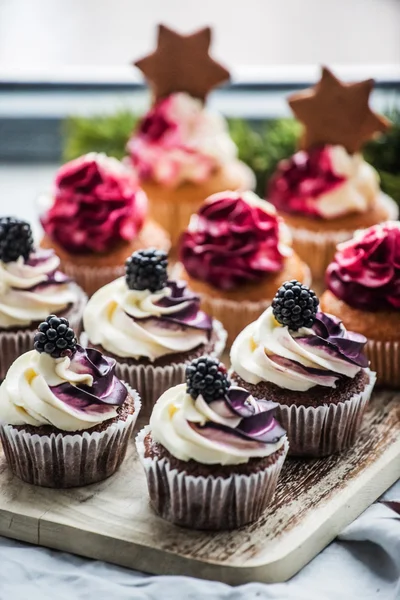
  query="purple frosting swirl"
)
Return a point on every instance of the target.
[
  {"x": 106, "y": 390},
  {"x": 56, "y": 277}
]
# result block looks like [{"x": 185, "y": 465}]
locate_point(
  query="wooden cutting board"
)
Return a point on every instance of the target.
[{"x": 112, "y": 520}]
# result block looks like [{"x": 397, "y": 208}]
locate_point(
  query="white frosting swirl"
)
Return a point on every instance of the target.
[
  {"x": 252, "y": 350},
  {"x": 170, "y": 425},
  {"x": 27, "y": 399},
  {"x": 110, "y": 320},
  {"x": 20, "y": 305},
  {"x": 359, "y": 190}
]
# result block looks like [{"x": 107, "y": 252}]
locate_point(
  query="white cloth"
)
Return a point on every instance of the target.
[{"x": 363, "y": 563}]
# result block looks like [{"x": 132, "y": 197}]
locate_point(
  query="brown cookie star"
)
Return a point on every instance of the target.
[
  {"x": 181, "y": 63},
  {"x": 334, "y": 112}
]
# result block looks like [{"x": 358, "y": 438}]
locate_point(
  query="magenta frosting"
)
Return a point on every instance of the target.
[
  {"x": 257, "y": 418},
  {"x": 366, "y": 270},
  {"x": 231, "y": 242},
  {"x": 106, "y": 390},
  {"x": 300, "y": 180},
  {"x": 95, "y": 206}
]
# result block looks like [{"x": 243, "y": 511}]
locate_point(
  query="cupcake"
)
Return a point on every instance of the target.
[
  {"x": 326, "y": 190},
  {"x": 65, "y": 418},
  {"x": 308, "y": 363},
  {"x": 96, "y": 218},
  {"x": 31, "y": 287},
  {"x": 151, "y": 326},
  {"x": 363, "y": 284},
  {"x": 212, "y": 453},
  {"x": 234, "y": 254},
  {"x": 182, "y": 151}
]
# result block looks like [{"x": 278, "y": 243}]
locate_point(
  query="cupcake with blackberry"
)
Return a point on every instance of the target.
[
  {"x": 326, "y": 190},
  {"x": 307, "y": 362},
  {"x": 234, "y": 254},
  {"x": 150, "y": 325},
  {"x": 31, "y": 286},
  {"x": 181, "y": 150},
  {"x": 65, "y": 418},
  {"x": 212, "y": 453},
  {"x": 363, "y": 284},
  {"x": 95, "y": 218}
]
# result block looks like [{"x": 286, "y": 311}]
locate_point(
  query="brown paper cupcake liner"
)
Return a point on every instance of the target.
[
  {"x": 91, "y": 279},
  {"x": 63, "y": 460},
  {"x": 318, "y": 248},
  {"x": 326, "y": 429},
  {"x": 152, "y": 381},
  {"x": 213, "y": 503},
  {"x": 385, "y": 360},
  {"x": 15, "y": 343}
]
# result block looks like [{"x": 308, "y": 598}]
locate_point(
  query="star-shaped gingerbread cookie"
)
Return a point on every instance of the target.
[
  {"x": 334, "y": 112},
  {"x": 181, "y": 63}
]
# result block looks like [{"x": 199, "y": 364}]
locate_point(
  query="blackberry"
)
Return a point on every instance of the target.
[
  {"x": 295, "y": 305},
  {"x": 147, "y": 270},
  {"x": 55, "y": 337},
  {"x": 208, "y": 377},
  {"x": 15, "y": 239}
]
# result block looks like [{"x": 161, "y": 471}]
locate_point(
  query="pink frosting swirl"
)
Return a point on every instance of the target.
[
  {"x": 233, "y": 239},
  {"x": 366, "y": 270},
  {"x": 302, "y": 179},
  {"x": 97, "y": 203}
]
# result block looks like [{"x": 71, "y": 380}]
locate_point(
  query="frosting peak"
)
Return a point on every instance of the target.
[
  {"x": 365, "y": 272},
  {"x": 180, "y": 140},
  {"x": 234, "y": 238},
  {"x": 320, "y": 355},
  {"x": 97, "y": 204},
  {"x": 324, "y": 182},
  {"x": 227, "y": 431}
]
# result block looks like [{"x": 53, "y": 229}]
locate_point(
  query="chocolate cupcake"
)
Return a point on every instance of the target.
[
  {"x": 151, "y": 326},
  {"x": 212, "y": 454},
  {"x": 363, "y": 284},
  {"x": 65, "y": 418},
  {"x": 309, "y": 364},
  {"x": 31, "y": 287}
]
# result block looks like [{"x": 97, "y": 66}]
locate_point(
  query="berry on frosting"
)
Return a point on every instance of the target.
[
  {"x": 147, "y": 270},
  {"x": 295, "y": 305},
  {"x": 55, "y": 337},
  {"x": 15, "y": 239},
  {"x": 208, "y": 377}
]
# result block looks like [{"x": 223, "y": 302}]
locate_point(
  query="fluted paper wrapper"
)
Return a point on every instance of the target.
[
  {"x": 213, "y": 503},
  {"x": 151, "y": 381},
  {"x": 325, "y": 429},
  {"x": 385, "y": 360},
  {"x": 15, "y": 343},
  {"x": 63, "y": 460},
  {"x": 91, "y": 279},
  {"x": 318, "y": 248}
]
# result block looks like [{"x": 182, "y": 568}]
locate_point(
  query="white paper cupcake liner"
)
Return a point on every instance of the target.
[
  {"x": 213, "y": 503},
  {"x": 92, "y": 279},
  {"x": 318, "y": 248},
  {"x": 325, "y": 429},
  {"x": 385, "y": 360},
  {"x": 64, "y": 460},
  {"x": 152, "y": 381}
]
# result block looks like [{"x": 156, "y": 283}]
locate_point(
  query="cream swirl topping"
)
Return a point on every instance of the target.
[
  {"x": 266, "y": 351},
  {"x": 210, "y": 433},
  {"x": 31, "y": 290},
  {"x": 135, "y": 324},
  {"x": 70, "y": 394}
]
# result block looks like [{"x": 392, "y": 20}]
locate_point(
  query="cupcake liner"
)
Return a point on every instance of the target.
[
  {"x": 318, "y": 248},
  {"x": 213, "y": 503},
  {"x": 64, "y": 460},
  {"x": 15, "y": 343},
  {"x": 152, "y": 381},
  {"x": 326, "y": 429},
  {"x": 91, "y": 278},
  {"x": 385, "y": 360}
]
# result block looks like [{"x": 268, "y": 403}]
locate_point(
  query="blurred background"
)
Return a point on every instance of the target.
[{"x": 63, "y": 59}]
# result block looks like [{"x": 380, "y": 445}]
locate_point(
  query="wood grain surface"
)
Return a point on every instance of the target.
[{"x": 112, "y": 520}]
